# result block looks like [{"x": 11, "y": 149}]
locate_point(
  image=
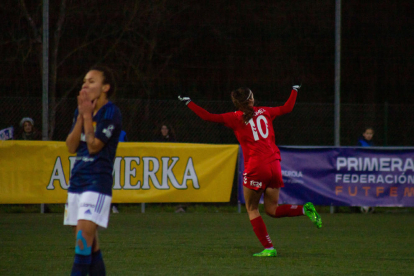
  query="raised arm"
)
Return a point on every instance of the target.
[
  {"x": 201, "y": 112},
  {"x": 288, "y": 106}
]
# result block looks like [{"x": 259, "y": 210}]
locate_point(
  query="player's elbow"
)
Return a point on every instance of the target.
[
  {"x": 211, "y": 118},
  {"x": 95, "y": 146},
  {"x": 286, "y": 110},
  {"x": 205, "y": 118},
  {"x": 71, "y": 147},
  {"x": 92, "y": 151}
]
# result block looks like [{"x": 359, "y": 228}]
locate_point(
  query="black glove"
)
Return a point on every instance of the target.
[
  {"x": 185, "y": 100},
  {"x": 297, "y": 87}
]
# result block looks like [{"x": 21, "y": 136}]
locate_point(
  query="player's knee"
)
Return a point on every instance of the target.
[
  {"x": 271, "y": 209},
  {"x": 82, "y": 247},
  {"x": 251, "y": 207}
]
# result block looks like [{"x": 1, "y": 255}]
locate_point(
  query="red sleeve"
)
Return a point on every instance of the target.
[
  {"x": 204, "y": 114},
  {"x": 286, "y": 108}
]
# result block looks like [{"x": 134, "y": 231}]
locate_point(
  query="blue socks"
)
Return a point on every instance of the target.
[
  {"x": 97, "y": 266},
  {"x": 92, "y": 264},
  {"x": 87, "y": 262},
  {"x": 81, "y": 265}
]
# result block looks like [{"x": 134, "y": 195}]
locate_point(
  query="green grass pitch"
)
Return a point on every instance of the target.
[{"x": 214, "y": 244}]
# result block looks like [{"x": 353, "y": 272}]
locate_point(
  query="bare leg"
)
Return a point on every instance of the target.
[
  {"x": 85, "y": 237},
  {"x": 271, "y": 199},
  {"x": 89, "y": 233},
  {"x": 252, "y": 199},
  {"x": 95, "y": 244},
  {"x": 273, "y": 209}
]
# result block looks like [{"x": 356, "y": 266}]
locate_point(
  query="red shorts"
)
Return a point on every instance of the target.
[{"x": 263, "y": 176}]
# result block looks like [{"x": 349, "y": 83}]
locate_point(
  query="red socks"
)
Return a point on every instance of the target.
[
  {"x": 259, "y": 227},
  {"x": 288, "y": 210},
  {"x": 260, "y": 230}
]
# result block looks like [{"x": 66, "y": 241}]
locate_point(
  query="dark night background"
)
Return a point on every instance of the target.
[
  {"x": 205, "y": 49},
  {"x": 208, "y": 48}
]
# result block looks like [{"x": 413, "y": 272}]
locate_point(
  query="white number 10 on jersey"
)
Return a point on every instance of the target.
[{"x": 259, "y": 127}]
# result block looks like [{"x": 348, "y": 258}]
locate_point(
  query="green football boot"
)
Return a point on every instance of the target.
[
  {"x": 312, "y": 214},
  {"x": 266, "y": 253}
]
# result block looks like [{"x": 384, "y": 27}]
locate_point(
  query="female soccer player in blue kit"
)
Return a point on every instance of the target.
[{"x": 94, "y": 138}]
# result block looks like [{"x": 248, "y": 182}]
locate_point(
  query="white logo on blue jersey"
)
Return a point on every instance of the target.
[
  {"x": 108, "y": 131},
  {"x": 84, "y": 158}
]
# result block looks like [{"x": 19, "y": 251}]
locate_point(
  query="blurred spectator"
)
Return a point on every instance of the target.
[
  {"x": 122, "y": 138},
  {"x": 164, "y": 134},
  {"x": 28, "y": 131},
  {"x": 366, "y": 141}
]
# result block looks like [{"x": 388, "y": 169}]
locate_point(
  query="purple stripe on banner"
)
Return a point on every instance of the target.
[{"x": 345, "y": 176}]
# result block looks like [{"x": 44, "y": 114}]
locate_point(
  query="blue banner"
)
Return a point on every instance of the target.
[{"x": 345, "y": 176}]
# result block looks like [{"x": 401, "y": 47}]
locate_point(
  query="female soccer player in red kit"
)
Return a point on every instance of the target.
[{"x": 262, "y": 174}]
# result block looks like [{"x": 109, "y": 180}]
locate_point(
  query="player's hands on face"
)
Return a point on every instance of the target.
[
  {"x": 184, "y": 99},
  {"x": 85, "y": 105}
]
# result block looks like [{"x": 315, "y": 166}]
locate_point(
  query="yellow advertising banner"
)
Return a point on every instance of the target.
[{"x": 39, "y": 171}]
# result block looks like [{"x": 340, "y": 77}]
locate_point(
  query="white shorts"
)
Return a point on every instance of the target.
[{"x": 90, "y": 206}]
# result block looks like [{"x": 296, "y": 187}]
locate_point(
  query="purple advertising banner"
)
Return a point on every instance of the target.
[{"x": 345, "y": 176}]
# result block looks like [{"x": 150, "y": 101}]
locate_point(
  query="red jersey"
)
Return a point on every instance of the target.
[{"x": 257, "y": 137}]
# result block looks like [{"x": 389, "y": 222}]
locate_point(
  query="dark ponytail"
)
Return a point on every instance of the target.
[{"x": 240, "y": 98}]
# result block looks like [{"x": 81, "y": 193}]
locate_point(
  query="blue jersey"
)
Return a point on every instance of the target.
[{"x": 93, "y": 172}]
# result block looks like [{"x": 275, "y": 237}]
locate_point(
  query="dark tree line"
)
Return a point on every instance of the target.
[{"x": 162, "y": 48}]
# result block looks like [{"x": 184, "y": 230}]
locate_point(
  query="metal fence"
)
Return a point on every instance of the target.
[{"x": 309, "y": 123}]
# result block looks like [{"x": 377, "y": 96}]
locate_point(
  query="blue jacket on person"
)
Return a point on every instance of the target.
[
  {"x": 123, "y": 136},
  {"x": 362, "y": 142}
]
